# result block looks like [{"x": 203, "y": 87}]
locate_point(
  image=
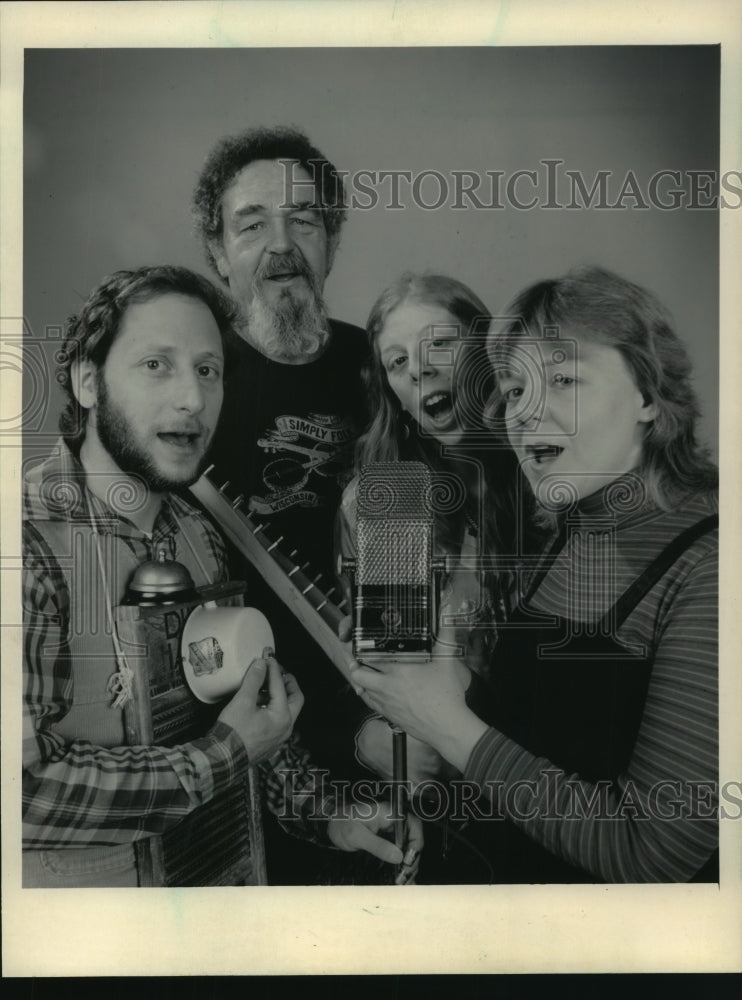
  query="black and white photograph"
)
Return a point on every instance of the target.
[{"x": 362, "y": 601}]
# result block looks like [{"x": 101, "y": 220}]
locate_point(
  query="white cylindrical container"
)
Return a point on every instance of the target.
[{"x": 217, "y": 647}]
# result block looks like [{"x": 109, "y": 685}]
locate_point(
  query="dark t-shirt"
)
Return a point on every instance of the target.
[
  {"x": 285, "y": 442},
  {"x": 285, "y": 439}
]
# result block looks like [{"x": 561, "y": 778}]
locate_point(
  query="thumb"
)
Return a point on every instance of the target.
[
  {"x": 381, "y": 848},
  {"x": 345, "y": 629},
  {"x": 276, "y": 686},
  {"x": 253, "y": 679}
]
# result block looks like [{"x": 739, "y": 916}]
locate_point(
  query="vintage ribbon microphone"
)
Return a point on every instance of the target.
[{"x": 394, "y": 596}]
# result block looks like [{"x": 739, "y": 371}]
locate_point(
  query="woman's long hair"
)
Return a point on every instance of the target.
[
  {"x": 615, "y": 312},
  {"x": 393, "y": 434}
]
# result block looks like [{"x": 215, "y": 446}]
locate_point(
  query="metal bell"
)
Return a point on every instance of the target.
[{"x": 160, "y": 581}]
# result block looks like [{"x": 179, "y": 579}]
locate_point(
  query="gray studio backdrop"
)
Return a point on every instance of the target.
[{"x": 114, "y": 140}]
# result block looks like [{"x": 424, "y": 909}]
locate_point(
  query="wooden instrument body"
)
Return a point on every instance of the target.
[{"x": 309, "y": 604}]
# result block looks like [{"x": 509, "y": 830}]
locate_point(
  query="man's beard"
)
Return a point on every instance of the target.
[
  {"x": 117, "y": 437},
  {"x": 293, "y": 326}
]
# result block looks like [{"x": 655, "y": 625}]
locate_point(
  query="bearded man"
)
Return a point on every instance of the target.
[
  {"x": 142, "y": 370},
  {"x": 268, "y": 208}
]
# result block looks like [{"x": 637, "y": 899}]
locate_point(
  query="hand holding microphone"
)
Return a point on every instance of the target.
[
  {"x": 354, "y": 831},
  {"x": 374, "y": 750},
  {"x": 421, "y": 698}
]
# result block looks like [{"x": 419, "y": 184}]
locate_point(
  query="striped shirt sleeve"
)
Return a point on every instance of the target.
[{"x": 659, "y": 821}]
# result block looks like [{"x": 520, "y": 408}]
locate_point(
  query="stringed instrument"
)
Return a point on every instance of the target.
[
  {"x": 311, "y": 605},
  {"x": 321, "y": 618}
]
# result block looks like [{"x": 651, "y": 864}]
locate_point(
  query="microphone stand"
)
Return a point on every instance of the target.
[
  {"x": 401, "y": 799},
  {"x": 392, "y": 573}
]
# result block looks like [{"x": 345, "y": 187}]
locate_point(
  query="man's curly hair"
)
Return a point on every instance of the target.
[
  {"x": 233, "y": 153},
  {"x": 90, "y": 334}
]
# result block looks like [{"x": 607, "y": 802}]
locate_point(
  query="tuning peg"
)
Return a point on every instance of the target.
[
  {"x": 236, "y": 504},
  {"x": 207, "y": 471},
  {"x": 274, "y": 544},
  {"x": 223, "y": 487}
]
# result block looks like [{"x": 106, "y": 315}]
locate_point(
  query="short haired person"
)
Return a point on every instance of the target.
[
  {"x": 142, "y": 370},
  {"x": 603, "y": 723},
  {"x": 269, "y": 208}
]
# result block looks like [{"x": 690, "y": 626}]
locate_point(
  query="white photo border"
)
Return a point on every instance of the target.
[{"x": 478, "y": 929}]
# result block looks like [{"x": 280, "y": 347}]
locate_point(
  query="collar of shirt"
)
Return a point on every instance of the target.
[
  {"x": 58, "y": 490},
  {"x": 626, "y": 503},
  {"x": 622, "y": 498}
]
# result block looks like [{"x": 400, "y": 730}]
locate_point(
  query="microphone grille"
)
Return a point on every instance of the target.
[
  {"x": 395, "y": 490},
  {"x": 394, "y": 524},
  {"x": 393, "y": 552}
]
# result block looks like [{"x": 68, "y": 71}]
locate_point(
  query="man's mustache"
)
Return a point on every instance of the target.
[{"x": 288, "y": 262}]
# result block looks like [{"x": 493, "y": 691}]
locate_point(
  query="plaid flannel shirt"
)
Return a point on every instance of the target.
[{"x": 76, "y": 794}]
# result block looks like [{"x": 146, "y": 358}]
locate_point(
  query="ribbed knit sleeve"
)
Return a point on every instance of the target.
[{"x": 658, "y": 821}]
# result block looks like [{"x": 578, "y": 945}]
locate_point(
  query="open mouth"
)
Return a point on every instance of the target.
[
  {"x": 283, "y": 276},
  {"x": 180, "y": 440},
  {"x": 438, "y": 406},
  {"x": 541, "y": 453}
]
